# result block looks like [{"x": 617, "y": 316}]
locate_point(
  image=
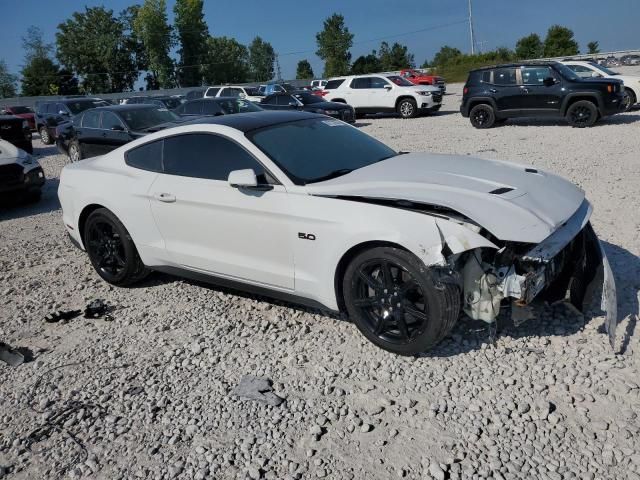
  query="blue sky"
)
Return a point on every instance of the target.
[{"x": 291, "y": 25}]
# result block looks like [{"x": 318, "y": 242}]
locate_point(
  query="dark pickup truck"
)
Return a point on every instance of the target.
[{"x": 16, "y": 130}]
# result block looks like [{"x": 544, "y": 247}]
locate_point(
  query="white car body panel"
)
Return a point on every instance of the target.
[
  {"x": 630, "y": 81},
  {"x": 222, "y": 92}
]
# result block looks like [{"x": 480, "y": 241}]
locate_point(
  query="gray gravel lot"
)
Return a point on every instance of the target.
[{"x": 149, "y": 394}]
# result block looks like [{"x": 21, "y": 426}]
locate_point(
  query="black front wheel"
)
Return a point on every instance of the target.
[
  {"x": 111, "y": 249},
  {"x": 396, "y": 303},
  {"x": 582, "y": 114}
]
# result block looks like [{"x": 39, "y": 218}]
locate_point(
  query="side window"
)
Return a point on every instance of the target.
[
  {"x": 225, "y": 92},
  {"x": 504, "y": 76},
  {"x": 581, "y": 71},
  {"x": 206, "y": 156},
  {"x": 285, "y": 100},
  {"x": 60, "y": 107},
  {"x": 212, "y": 92},
  {"x": 193, "y": 108},
  {"x": 359, "y": 83},
  {"x": 91, "y": 119},
  {"x": 485, "y": 76},
  {"x": 109, "y": 121},
  {"x": 146, "y": 157},
  {"x": 331, "y": 84},
  {"x": 211, "y": 108},
  {"x": 377, "y": 82},
  {"x": 272, "y": 100},
  {"x": 535, "y": 75},
  {"x": 236, "y": 92}
]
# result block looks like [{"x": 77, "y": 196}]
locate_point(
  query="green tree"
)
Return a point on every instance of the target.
[
  {"x": 93, "y": 44},
  {"x": 334, "y": 42},
  {"x": 7, "y": 81},
  {"x": 529, "y": 47},
  {"x": 228, "y": 61},
  {"x": 261, "y": 57},
  {"x": 560, "y": 42},
  {"x": 395, "y": 57},
  {"x": 594, "y": 47},
  {"x": 151, "y": 26},
  {"x": 445, "y": 55},
  {"x": 366, "y": 64},
  {"x": 192, "y": 33},
  {"x": 304, "y": 70}
]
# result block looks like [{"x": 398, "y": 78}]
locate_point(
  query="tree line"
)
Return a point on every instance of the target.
[{"x": 97, "y": 51}]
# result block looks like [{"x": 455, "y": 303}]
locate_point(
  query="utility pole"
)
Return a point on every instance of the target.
[
  {"x": 473, "y": 47},
  {"x": 278, "y": 72}
]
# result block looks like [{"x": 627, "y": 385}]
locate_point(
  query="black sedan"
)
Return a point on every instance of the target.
[
  {"x": 100, "y": 130},
  {"x": 215, "y": 106},
  {"x": 308, "y": 102}
]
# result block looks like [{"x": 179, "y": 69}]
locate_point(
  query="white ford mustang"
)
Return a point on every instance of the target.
[{"x": 308, "y": 208}]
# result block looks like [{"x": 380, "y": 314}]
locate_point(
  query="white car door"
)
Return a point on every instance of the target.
[
  {"x": 357, "y": 92},
  {"x": 212, "y": 227},
  {"x": 381, "y": 93}
]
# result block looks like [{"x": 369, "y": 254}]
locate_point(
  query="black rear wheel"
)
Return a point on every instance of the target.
[
  {"x": 482, "y": 116},
  {"x": 395, "y": 302},
  {"x": 111, "y": 249}
]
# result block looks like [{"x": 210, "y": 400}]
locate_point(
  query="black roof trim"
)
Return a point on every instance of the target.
[
  {"x": 517, "y": 64},
  {"x": 245, "y": 122}
]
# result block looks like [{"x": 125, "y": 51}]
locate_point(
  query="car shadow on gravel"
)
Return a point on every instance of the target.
[
  {"x": 17, "y": 206},
  {"x": 620, "y": 119}
]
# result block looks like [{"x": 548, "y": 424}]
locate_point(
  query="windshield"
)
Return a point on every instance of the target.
[
  {"x": 308, "y": 98},
  {"x": 602, "y": 68},
  {"x": 82, "y": 105},
  {"x": 398, "y": 80},
  {"x": 238, "y": 106},
  {"x": 20, "y": 110},
  {"x": 212, "y": 92},
  {"x": 566, "y": 72},
  {"x": 314, "y": 150},
  {"x": 147, "y": 117}
]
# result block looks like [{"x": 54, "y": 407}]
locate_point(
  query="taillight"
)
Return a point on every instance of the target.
[{"x": 465, "y": 90}]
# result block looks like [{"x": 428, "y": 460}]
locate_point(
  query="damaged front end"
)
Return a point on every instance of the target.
[{"x": 568, "y": 265}]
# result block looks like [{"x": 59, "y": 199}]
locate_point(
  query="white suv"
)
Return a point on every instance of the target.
[
  {"x": 233, "y": 91},
  {"x": 593, "y": 70},
  {"x": 383, "y": 93}
]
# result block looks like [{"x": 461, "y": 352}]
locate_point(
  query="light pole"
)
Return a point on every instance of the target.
[{"x": 473, "y": 48}]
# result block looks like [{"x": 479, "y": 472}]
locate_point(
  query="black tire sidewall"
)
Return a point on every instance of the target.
[
  {"x": 435, "y": 299},
  {"x": 489, "y": 109},
  {"x": 132, "y": 267},
  {"x": 582, "y": 103}
]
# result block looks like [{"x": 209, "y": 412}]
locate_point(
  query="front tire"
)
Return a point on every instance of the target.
[
  {"x": 581, "y": 114},
  {"x": 407, "y": 108},
  {"x": 44, "y": 136},
  {"x": 75, "y": 152},
  {"x": 482, "y": 116},
  {"x": 629, "y": 99},
  {"x": 396, "y": 302},
  {"x": 111, "y": 249}
]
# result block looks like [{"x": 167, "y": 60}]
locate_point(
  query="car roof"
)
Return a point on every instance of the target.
[
  {"x": 533, "y": 63},
  {"x": 125, "y": 107},
  {"x": 72, "y": 100},
  {"x": 246, "y": 122}
]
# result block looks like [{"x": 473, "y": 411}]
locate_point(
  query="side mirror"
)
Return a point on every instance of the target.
[
  {"x": 242, "y": 95},
  {"x": 117, "y": 128},
  {"x": 243, "y": 178},
  {"x": 595, "y": 75},
  {"x": 549, "y": 82},
  {"x": 293, "y": 104},
  {"x": 388, "y": 87},
  {"x": 62, "y": 112}
]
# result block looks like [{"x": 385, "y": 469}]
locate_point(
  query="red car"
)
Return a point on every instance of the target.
[
  {"x": 22, "y": 112},
  {"x": 419, "y": 78}
]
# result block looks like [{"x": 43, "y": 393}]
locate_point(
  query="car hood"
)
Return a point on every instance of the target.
[
  {"x": 419, "y": 88},
  {"x": 9, "y": 154},
  {"x": 601, "y": 81},
  {"x": 513, "y": 202}
]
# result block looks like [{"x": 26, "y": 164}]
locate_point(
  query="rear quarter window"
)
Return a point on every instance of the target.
[
  {"x": 332, "y": 84},
  {"x": 146, "y": 157}
]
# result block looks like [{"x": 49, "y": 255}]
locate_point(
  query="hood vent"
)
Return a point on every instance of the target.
[{"x": 501, "y": 190}]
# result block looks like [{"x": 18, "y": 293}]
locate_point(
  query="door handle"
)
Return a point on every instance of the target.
[
  {"x": 524, "y": 89},
  {"x": 165, "y": 197},
  {"x": 493, "y": 90}
]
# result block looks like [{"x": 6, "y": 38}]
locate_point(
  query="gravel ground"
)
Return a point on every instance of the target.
[{"x": 149, "y": 394}]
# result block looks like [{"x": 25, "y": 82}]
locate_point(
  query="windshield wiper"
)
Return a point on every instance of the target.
[{"x": 330, "y": 175}]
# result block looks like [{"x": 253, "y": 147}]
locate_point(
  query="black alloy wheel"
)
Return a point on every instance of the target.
[
  {"x": 482, "y": 116},
  {"x": 582, "y": 114},
  {"x": 111, "y": 249},
  {"x": 395, "y": 301}
]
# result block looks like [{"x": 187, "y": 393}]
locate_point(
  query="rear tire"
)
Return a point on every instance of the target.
[
  {"x": 482, "y": 116},
  {"x": 406, "y": 312},
  {"x": 111, "y": 250},
  {"x": 44, "y": 136},
  {"x": 75, "y": 151},
  {"x": 581, "y": 114},
  {"x": 407, "y": 108}
]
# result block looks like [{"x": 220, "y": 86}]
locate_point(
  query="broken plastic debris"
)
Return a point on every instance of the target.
[
  {"x": 64, "y": 315},
  {"x": 10, "y": 356},
  {"x": 256, "y": 388}
]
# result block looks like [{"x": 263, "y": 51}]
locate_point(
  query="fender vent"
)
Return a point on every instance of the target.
[
  {"x": 501, "y": 190},
  {"x": 531, "y": 170}
]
